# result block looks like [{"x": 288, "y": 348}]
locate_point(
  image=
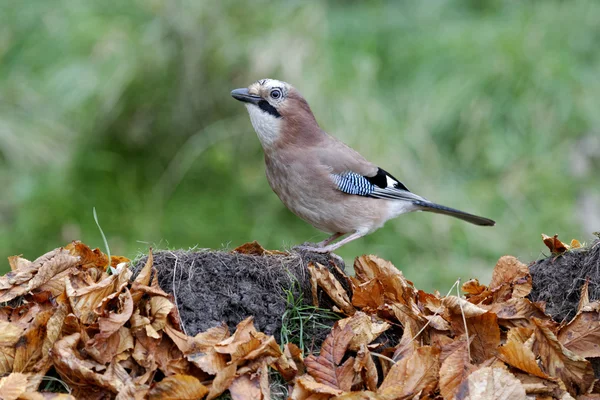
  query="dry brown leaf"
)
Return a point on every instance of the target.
[
  {"x": 7, "y": 359},
  {"x": 484, "y": 334},
  {"x": 365, "y": 329},
  {"x": 584, "y": 297},
  {"x": 491, "y": 384},
  {"x": 183, "y": 342},
  {"x": 28, "y": 350},
  {"x": 582, "y": 334},
  {"x": 508, "y": 269},
  {"x": 268, "y": 349},
  {"x": 203, "y": 353},
  {"x": 367, "y": 295},
  {"x": 455, "y": 367},
  {"x": 87, "y": 257},
  {"x": 170, "y": 359},
  {"x": 519, "y": 355},
  {"x": 326, "y": 367},
  {"x": 114, "y": 314},
  {"x": 416, "y": 374},
  {"x": 76, "y": 371},
  {"x": 534, "y": 385},
  {"x": 178, "y": 387},
  {"x": 33, "y": 275},
  {"x": 244, "y": 333},
  {"x": 332, "y": 287},
  {"x": 516, "y": 312},
  {"x": 307, "y": 388},
  {"x": 13, "y": 386},
  {"x": 18, "y": 262},
  {"x": 458, "y": 306},
  {"x": 365, "y": 367},
  {"x": 245, "y": 388},
  {"x": 222, "y": 381},
  {"x": 290, "y": 364},
  {"x": 255, "y": 249},
  {"x": 473, "y": 287},
  {"x": 10, "y": 333},
  {"x": 575, "y": 371},
  {"x": 160, "y": 307},
  {"x": 145, "y": 349},
  {"x": 554, "y": 245},
  {"x": 85, "y": 293}
]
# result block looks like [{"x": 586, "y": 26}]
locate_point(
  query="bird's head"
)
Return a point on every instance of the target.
[{"x": 276, "y": 110}]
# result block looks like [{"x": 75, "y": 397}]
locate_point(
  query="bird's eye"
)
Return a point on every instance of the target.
[{"x": 275, "y": 93}]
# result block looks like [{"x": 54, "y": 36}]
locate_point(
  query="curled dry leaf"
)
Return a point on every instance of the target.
[
  {"x": 222, "y": 381},
  {"x": 245, "y": 388},
  {"x": 491, "y": 384},
  {"x": 10, "y": 333},
  {"x": 33, "y": 275},
  {"x": 413, "y": 375},
  {"x": 170, "y": 359},
  {"x": 77, "y": 371},
  {"x": 558, "y": 361},
  {"x": 582, "y": 334},
  {"x": 28, "y": 350},
  {"x": 516, "y": 312},
  {"x": 473, "y": 287},
  {"x": 554, "y": 245},
  {"x": 255, "y": 249},
  {"x": 365, "y": 367},
  {"x": 364, "y": 327},
  {"x": 178, "y": 387},
  {"x": 458, "y": 306},
  {"x": 516, "y": 353},
  {"x": 13, "y": 386},
  {"x": 326, "y": 367},
  {"x": 307, "y": 387},
  {"x": 368, "y": 295},
  {"x": 584, "y": 297},
  {"x": 86, "y": 293},
  {"x": 160, "y": 307},
  {"x": 510, "y": 278},
  {"x": 290, "y": 364},
  {"x": 114, "y": 314},
  {"x": 332, "y": 287}
]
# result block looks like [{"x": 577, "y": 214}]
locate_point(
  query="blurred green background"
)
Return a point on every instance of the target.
[{"x": 123, "y": 105}]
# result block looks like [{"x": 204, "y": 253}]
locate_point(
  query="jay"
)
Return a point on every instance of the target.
[{"x": 319, "y": 178}]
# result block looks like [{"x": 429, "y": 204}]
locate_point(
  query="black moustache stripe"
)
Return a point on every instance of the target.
[{"x": 265, "y": 106}]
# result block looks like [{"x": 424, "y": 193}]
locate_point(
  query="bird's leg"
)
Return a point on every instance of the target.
[
  {"x": 329, "y": 239},
  {"x": 335, "y": 246}
]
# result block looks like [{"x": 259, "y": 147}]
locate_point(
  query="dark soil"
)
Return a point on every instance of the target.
[
  {"x": 211, "y": 287},
  {"x": 557, "y": 280}
]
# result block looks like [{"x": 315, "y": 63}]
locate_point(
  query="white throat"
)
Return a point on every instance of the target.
[{"x": 267, "y": 126}]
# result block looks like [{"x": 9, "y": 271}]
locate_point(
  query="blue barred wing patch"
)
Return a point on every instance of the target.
[{"x": 353, "y": 183}]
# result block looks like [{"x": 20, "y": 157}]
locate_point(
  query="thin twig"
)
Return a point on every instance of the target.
[
  {"x": 462, "y": 312},
  {"x": 175, "y": 292},
  {"x": 382, "y": 356}
]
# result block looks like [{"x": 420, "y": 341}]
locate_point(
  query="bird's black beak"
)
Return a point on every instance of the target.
[{"x": 243, "y": 95}]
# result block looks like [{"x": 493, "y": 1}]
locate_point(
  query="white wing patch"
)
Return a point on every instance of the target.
[{"x": 390, "y": 182}]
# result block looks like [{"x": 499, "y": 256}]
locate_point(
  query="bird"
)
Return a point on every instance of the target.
[{"x": 319, "y": 178}]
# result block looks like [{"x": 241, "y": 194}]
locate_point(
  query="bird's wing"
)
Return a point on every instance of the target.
[
  {"x": 351, "y": 173},
  {"x": 381, "y": 186}
]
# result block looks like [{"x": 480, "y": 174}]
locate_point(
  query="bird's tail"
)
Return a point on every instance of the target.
[{"x": 436, "y": 208}]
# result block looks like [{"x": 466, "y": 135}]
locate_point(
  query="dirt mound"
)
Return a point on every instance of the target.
[
  {"x": 557, "y": 280},
  {"x": 211, "y": 287}
]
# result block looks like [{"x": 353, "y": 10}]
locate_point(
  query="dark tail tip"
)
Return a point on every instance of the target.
[{"x": 439, "y": 209}]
